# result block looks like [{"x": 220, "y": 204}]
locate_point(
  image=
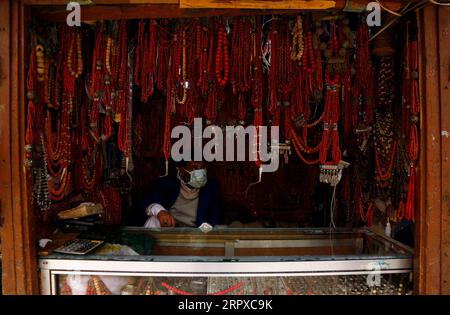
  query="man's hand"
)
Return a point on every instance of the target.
[{"x": 166, "y": 219}]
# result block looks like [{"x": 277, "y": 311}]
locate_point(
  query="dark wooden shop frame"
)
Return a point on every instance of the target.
[{"x": 17, "y": 222}]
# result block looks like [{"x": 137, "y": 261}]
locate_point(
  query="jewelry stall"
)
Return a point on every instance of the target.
[{"x": 346, "y": 210}]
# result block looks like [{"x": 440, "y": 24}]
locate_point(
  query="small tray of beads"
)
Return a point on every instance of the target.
[{"x": 79, "y": 246}]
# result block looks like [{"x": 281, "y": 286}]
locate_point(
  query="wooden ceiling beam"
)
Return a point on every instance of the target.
[
  {"x": 104, "y": 12},
  {"x": 259, "y": 4},
  {"x": 108, "y": 11},
  {"x": 99, "y": 2},
  {"x": 232, "y": 4}
]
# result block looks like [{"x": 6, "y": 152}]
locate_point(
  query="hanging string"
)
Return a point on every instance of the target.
[{"x": 31, "y": 95}]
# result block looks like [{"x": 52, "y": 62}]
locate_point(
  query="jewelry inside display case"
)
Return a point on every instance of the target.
[{"x": 237, "y": 261}]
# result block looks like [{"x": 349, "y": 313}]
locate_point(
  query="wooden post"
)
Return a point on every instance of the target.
[
  {"x": 432, "y": 230},
  {"x": 444, "y": 71},
  {"x": 18, "y": 244}
]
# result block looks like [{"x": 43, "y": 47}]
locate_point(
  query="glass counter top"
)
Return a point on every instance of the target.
[{"x": 256, "y": 245}]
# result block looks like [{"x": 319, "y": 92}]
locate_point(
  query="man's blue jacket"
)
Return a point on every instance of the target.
[{"x": 166, "y": 192}]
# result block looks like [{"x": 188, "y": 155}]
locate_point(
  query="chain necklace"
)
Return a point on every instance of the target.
[
  {"x": 272, "y": 45},
  {"x": 96, "y": 87},
  {"x": 183, "y": 82},
  {"x": 385, "y": 151},
  {"x": 41, "y": 189},
  {"x": 385, "y": 88},
  {"x": 90, "y": 170},
  {"x": 204, "y": 41}
]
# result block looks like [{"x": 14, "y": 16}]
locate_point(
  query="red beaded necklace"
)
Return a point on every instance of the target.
[
  {"x": 284, "y": 64},
  {"x": 97, "y": 81},
  {"x": 111, "y": 201},
  {"x": 90, "y": 170},
  {"x": 124, "y": 94},
  {"x": 331, "y": 118},
  {"x": 273, "y": 45},
  {"x": 30, "y": 136},
  {"x": 307, "y": 78},
  {"x": 122, "y": 71},
  {"x": 165, "y": 41},
  {"x": 54, "y": 153},
  {"x": 240, "y": 62},
  {"x": 413, "y": 145},
  {"x": 362, "y": 107},
  {"x": 194, "y": 102},
  {"x": 170, "y": 98},
  {"x": 151, "y": 64},
  {"x": 139, "y": 53},
  {"x": 257, "y": 82},
  {"x": 240, "y": 56},
  {"x": 144, "y": 66},
  {"x": 222, "y": 70},
  {"x": 211, "y": 104},
  {"x": 61, "y": 178},
  {"x": 309, "y": 62},
  {"x": 366, "y": 216}
]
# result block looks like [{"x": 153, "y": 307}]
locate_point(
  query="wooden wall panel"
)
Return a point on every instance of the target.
[
  {"x": 18, "y": 237},
  {"x": 444, "y": 70},
  {"x": 433, "y": 220},
  {"x": 428, "y": 222},
  {"x": 5, "y": 151}
]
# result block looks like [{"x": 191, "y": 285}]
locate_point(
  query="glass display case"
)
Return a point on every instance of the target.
[{"x": 237, "y": 261}]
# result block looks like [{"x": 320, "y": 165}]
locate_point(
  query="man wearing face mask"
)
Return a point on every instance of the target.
[{"x": 188, "y": 200}]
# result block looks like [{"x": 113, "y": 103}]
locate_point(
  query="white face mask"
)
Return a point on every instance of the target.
[{"x": 198, "y": 178}]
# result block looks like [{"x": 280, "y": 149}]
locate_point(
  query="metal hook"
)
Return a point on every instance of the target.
[
  {"x": 255, "y": 183},
  {"x": 167, "y": 170},
  {"x": 127, "y": 169}
]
